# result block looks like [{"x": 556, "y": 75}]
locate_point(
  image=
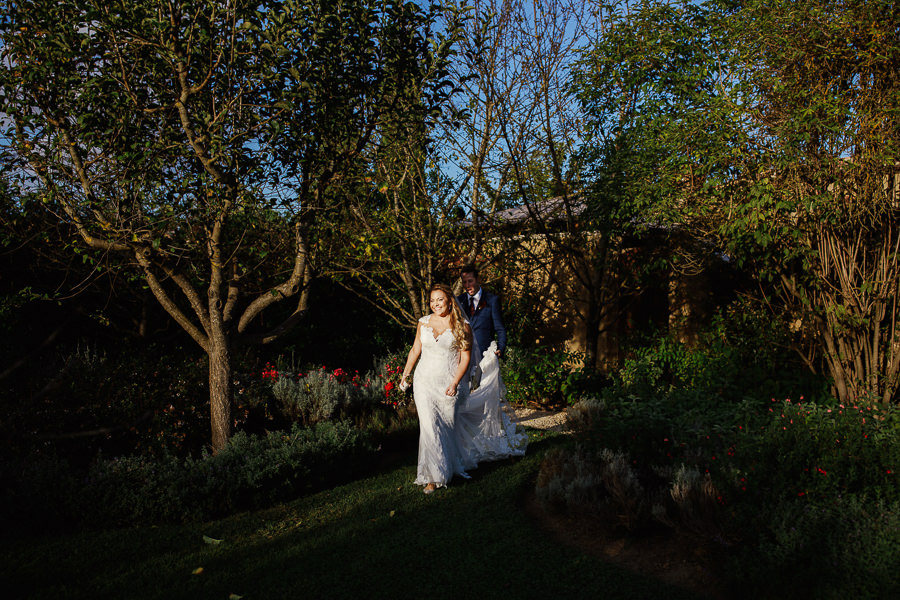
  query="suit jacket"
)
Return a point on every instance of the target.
[{"x": 486, "y": 321}]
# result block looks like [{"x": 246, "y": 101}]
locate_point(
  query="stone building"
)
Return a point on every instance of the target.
[{"x": 588, "y": 294}]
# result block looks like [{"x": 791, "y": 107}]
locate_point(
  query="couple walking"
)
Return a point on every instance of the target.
[{"x": 457, "y": 386}]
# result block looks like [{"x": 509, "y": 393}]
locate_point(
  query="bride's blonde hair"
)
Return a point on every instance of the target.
[{"x": 457, "y": 321}]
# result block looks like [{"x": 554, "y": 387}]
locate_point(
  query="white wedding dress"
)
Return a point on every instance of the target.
[
  {"x": 458, "y": 432},
  {"x": 484, "y": 429}
]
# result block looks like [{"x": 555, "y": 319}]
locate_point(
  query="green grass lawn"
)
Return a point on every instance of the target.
[{"x": 378, "y": 537}]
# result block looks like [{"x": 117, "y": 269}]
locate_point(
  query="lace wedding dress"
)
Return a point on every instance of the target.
[
  {"x": 439, "y": 454},
  {"x": 458, "y": 432},
  {"x": 484, "y": 430}
]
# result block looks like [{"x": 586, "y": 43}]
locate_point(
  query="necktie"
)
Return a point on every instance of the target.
[{"x": 471, "y": 305}]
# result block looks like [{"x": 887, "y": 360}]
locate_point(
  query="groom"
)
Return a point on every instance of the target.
[{"x": 483, "y": 310}]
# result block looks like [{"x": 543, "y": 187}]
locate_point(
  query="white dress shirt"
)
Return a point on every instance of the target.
[{"x": 477, "y": 298}]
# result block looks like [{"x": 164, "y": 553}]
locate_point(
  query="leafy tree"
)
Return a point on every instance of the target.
[
  {"x": 567, "y": 256},
  {"x": 506, "y": 138},
  {"x": 772, "y": 129},
  {"x": 397, "y": 237},
  {"x": 205, "y": 142},
  {"x": 826, "y": 141}
]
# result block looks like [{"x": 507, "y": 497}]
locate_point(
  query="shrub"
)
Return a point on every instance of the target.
[
  {"x": 584, "y": 416},
  {"x": 696, "y": 503},
  {"x": 743, "y": 353},
  {"x": 664, "y": 429},
  {"x": 544, "y": 376},
  {"x": 386, "y": 377},
  {"x": 611, "y": 486},
  {"x": 144, "y": 400},
  {"x": 844, "y": 547},
  {"x": 807, "y": 491},
  {"x": 250, "y": 472},
  {"x": 371, "y": 401},
  {"x": 671, "y": 404},
  {"x": 819, "y": 452},
  {"x": 321, "y": 395}
]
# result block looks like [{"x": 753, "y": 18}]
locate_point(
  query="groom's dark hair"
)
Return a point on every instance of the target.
[{"x": 469, "y": 269}]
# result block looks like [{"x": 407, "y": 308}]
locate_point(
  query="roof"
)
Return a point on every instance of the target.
[{"x": 550, "y": 210}]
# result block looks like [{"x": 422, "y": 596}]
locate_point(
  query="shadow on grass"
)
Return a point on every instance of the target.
[{"x": 377, "y": 537}]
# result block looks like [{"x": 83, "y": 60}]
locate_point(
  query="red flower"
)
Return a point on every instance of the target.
[{"x": 388, "y": 387}]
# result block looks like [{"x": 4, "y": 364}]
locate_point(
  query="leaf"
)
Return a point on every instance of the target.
[
  {"x": 211, "y": 541},
  {"x": 197, "y": 571}
]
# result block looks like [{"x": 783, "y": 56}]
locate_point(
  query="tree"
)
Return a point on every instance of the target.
[
  {"x": 771, "y": 129},
  {"x": 540, "y": 133},
  {"x": 205, "y": 142},
  {"x": 507, "y": 124},
  {"x": 823, "y": 78},
  {"x": 397, "y": 235}
]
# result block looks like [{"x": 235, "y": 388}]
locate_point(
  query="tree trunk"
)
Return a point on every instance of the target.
[
  {"x": 592, "y": 339},
  {"x": 592, "y": 320},
  {"x": 221, "y": 392}
]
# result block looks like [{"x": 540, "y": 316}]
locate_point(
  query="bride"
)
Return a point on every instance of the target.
[{"x": 458, "y": 427}]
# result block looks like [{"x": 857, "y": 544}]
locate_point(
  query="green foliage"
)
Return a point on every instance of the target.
[
  {"x": 543, "y": 376},
  {"x": 842, "y": 547},
  {"x": 805, "y": 495},
  {"x": 819, "y": 452},
  {"x": 671, "y": 403},
  {"x": 250, "y": 472},
  {"x": 766, "y": 129},
  {"x": 209, "y": 147},
  {"x": 323, "y": 395},
  {"x": 741, "y": 346},
  {"x": 150, "y": 399},
  {"x": 629, "y": 496},
  {"x": 642, "y": 87},
  {"x": 400, "y": 224},
  {"x": 373, "y": 401},
  {"x": 386, "y": 377}
]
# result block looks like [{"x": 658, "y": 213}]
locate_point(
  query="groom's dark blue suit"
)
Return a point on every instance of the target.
[{"x": 486, "y": 320}]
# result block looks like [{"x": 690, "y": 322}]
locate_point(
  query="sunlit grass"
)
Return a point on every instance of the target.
[{"x": 372, "y": 538}]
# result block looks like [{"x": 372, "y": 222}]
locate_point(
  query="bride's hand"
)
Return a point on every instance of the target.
[
  {"x": 404, "y": 384},
  {"x": 451, "y": 390}
]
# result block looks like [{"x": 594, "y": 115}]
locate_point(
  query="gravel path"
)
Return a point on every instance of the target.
[{"x": 539, "y": 419}]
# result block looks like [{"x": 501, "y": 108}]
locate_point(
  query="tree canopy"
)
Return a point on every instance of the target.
[
  {"x": 206, "y": 142},
  {"x": 771, "y": 129}
]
